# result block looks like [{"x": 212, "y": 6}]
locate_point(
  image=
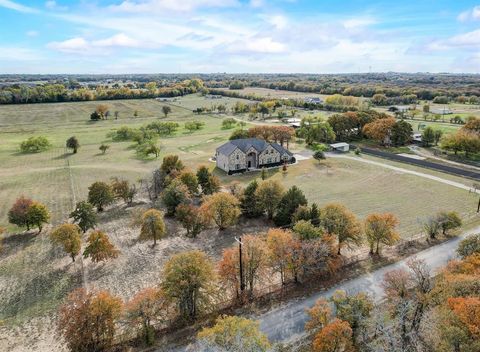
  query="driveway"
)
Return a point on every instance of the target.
[{"x": 287, "y": 322}]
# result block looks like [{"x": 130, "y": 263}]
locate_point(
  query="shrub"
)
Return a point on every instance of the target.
[
  {"x": 35, "y": 145},
  {"x": 469, "y": 246},
  {"x": 72, "y": 143}
]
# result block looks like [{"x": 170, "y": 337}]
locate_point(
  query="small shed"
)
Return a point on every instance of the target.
[{"x": 340, "y": 147}]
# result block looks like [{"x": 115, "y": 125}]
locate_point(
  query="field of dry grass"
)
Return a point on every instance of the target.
[{"x": 36, "y": 276}]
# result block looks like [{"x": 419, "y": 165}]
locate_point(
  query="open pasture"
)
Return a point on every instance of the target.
[{"x": 59, "y": 178}]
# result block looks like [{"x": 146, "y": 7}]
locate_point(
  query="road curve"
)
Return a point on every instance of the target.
[{"x": 286, "y": 323}]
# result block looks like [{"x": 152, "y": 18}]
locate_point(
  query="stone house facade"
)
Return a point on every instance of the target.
[{"x": 241, "y": 155}]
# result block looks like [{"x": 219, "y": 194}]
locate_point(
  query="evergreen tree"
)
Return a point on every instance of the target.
[{"x": 289, "y": 203}]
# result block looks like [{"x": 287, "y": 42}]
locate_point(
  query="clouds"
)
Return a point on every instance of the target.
[
  {"x": 243, "y": 36},
  {"x": 79, "y": 45},
  {"x": 470, "y": 15},
  {"x": 17, "y": 7},
  {"x": 149, "y": 6}
]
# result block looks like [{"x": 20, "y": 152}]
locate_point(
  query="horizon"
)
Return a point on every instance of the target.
[{"x": 239, "y": 37}]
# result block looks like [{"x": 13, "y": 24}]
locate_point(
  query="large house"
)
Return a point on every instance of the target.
[{"x": 241, "y": 155}]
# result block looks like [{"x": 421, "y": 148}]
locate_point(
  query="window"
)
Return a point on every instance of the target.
[
  {"x": 269, "y": 160},
  {"x": 237, "y": 157},
  {"x": 237, "y": 166}
]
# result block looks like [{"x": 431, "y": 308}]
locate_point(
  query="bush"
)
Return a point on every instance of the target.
[
  {"x": 228, "y": 123},
  {"x": 319, "y": 155},
  {"x": 469, "y": 246},
  {"x": 35, "y": 145}
]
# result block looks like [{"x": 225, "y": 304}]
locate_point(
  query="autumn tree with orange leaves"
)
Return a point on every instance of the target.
[
  {"x": 88, "y": 320},
  {"x": 146, "y": 309},
  {"x": 334, "y": 337},
  {"x": 99, "y": 247},
  {"x": 380, "y": 130},
  {"x": 254, "y": 260}
]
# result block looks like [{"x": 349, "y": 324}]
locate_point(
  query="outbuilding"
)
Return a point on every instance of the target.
[{"x": 340, "y": 147}]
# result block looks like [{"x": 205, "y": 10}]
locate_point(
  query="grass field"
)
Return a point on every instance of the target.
[{"x": 35, "y": 277}]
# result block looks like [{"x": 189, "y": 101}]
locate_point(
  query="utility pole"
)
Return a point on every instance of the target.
[
  {"x": 478, "y": 208},
  {"x": 242, "y": 281}
]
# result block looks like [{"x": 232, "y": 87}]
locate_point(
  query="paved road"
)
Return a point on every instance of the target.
[
  {"x": 472, "y": 174},
  {"x": 287, "y": 322},
  {"x": 406, "y": 171}
]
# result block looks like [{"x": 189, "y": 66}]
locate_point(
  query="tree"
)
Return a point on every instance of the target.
[
  {"x": 380, "y": 130},
  {"x": 88, "y": 320},
  {"x": 38, "y": 214},
  {"x": 166, "y": 110},
  {"x": 467, "y": 310},
  {"x": 472, "y": 124},
  {"x": 449, "y": 221},
  {"x": 146, "y": 309},
  {"x": 194, "y": 125},
  {"x": 319, "y": 316},
  {"x": 279, "y": 245},
  {"x": 103, "y": 148},
  {"x": 306, "y": 230},
  {"x": 337, "y": 220},
  {"x": 316, "y": 130},
  {"x": 269, "y": 193},
  {"x": 123, "y": 190},
  {"x": 84, "y": 215},
  {"x": 334, "y": 337},
  {"x": 221, "y": 208},
  {"x": 171, "y": 164},
  {"x": 254, "y": 261},
  {"x": 101, "y": 110},
  {"x": 100, "y": 194},
  {"x": 153, "y": 226},
  {"x": 17, "y": 215},
  {"x": 99, "y": 247},
  {"x": 72, "y": 143},
  {"x": 68, "y": 236},
  {"x": 208, "y": 182},
  {"x": 380, "y": 228},
  {"x": 401, "y": 133},
  {"x": 35, "y": 145},
  {"x": 287, "y": 206},
  {"x": 188, "y": 279},
  {"x": 233, "y": 333},
  {"x": 228, "y": 123},
  {"x": 469, "y": 246},
  {"x": 239, "y": 134},
  {"x": 147, "y": 148},
  {"x": 191, "y": 218},
  {"x": 437, "y": 136},
  {"x": 432, "y": 226},
  {"x": 428, "y": 136},
  {"x": 175, "y": 194},
  {"x": 95, "y": 116},
  {"x": 189, "y": 179},
  {"x": 354, "y": 309},
  {"x": 249, "y": 203}
]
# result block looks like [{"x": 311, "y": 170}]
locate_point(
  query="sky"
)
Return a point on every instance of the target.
[{"x": 239, "y": 36}]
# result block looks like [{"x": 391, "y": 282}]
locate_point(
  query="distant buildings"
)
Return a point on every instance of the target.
[{"x": 313, "y": 100}]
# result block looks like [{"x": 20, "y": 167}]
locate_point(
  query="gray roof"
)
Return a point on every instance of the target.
[{"x": 245, "y": 144}]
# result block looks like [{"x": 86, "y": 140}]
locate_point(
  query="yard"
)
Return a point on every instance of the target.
[{"x": 35, "y": 277}]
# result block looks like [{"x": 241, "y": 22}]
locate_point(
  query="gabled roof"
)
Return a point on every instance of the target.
[{"x": 245, "y": 144}]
